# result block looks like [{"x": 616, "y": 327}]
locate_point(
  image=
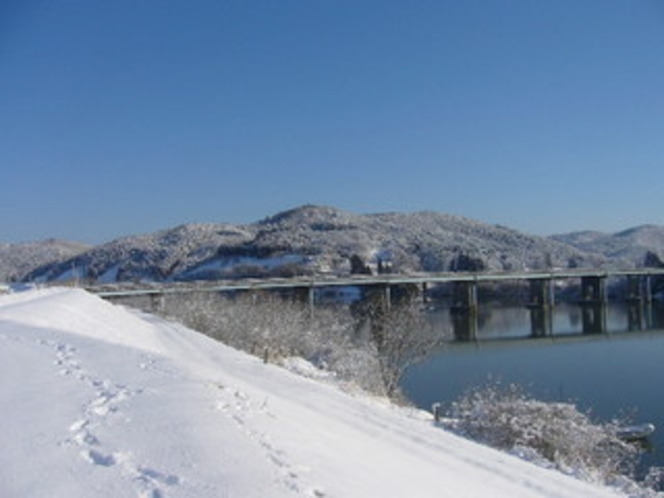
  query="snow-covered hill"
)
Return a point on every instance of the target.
[
  {"x": 630, "y": 245},
  {"x": 101, "y": 401},
  {"x": 18, "y": 259},
  {"x": 316, "y": 239}
]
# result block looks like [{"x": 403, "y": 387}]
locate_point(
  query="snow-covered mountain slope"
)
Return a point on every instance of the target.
[
  {"x": 315, "y": 239},
  {"x": 100, "y": 401},
  {"x": 156, "y": 257},
  {"x": 632, "y": 244},
  {"x": 18, "y": 259}
]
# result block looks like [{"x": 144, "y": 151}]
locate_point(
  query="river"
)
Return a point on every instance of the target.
[{"x": 613, "y": 374}]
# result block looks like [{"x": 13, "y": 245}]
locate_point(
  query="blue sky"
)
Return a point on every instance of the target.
[{"x": 129, "y": 116}]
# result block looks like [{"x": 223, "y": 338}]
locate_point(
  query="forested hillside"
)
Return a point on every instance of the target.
[{"x": 325, "y": 240}]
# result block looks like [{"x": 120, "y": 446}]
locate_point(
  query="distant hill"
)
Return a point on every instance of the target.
[
  {"x": 315, "y": 240},
  {"x": 630, "y": 245},
  {"x": 16, "y": 260},
  {"x": 154, "y": 257}
]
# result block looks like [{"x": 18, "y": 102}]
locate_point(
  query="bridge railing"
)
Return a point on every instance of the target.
[{"x": 120, "y": 289}]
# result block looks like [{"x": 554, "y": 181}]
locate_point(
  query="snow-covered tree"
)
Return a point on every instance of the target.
[
  {"x": 506, "y": 418},
  {"x": 275, "y": 328},
  {"x": 400, "y": 332}
]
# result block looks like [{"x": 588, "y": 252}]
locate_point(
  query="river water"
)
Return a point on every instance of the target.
[{"x": 612, "y": 374}]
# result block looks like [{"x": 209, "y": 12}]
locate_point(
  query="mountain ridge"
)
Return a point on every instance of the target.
[
  {"x": 313, "y": 239},
  {"x": 632, "y": 244}
]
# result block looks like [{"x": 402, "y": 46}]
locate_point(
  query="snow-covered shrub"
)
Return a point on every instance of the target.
[
  {"x": 370, "y": 346},
  {"x": 506, "y": 418},
  {"x": 399, "y": 334},
  {"x": 367, "y": 344},
  {"x": 406, "y": 338},
  {"x": 275, "y": 327},
  {"x": 654, "y": 478},
  {"x": 259, "y": 323},
  {"x": 195, "y": 310}
]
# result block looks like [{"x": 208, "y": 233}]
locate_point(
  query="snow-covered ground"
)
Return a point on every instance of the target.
[{"x": 101, "y": 401}]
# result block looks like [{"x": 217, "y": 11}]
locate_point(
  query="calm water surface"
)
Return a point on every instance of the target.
[{"x": 612, "y": 374}]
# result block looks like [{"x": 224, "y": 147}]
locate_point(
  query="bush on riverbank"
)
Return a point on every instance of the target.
[
  {"x": 552, "y": 434},
  {"x": 370, "y": 347}
]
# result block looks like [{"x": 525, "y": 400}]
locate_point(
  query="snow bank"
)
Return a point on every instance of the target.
[{"x": 101, "y": 401}]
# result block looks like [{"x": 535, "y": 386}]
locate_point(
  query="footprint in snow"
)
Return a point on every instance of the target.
[
  {"x": 108, "y": 396},
  {"x": 97, "y": 458},
  {"x": 154, "y": 476}
]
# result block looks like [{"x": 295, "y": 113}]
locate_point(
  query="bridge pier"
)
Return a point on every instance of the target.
[
  {"x": 307, "y": 296},
  {"x": 639, "y": 288},
  {"x": 157, "y": 302},
  {"x": 593, "y": 318},
  {"x": 593, "y": 304},
  {"x": 387, "y": 297},
  {"x": 465, "y": 324},
  {"x": 465, "y": 294},
  {"x": 541, "y": 321},
  {"x": 464, "y": 311},
  {"x": 541, "y": 292},
  {"x": 593, "y": 289},
  {"x": 639, "y": 316},
  {"x": 541, "y": 305},
  {"x": 639, "y": 302},
  {"x": 425, "y": 292}
]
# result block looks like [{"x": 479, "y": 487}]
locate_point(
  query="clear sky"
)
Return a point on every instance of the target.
[{"x": 128, "y": 116}]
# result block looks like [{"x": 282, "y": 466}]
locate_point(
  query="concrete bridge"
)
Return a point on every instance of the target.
[{"x": 465, "y": 304}]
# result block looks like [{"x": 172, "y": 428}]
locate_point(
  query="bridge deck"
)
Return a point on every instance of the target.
[{"x": 118, "y": 290}]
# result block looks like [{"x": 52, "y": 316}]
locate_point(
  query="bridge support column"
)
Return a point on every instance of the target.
[
  {"x": 541, "y": 305},
  {"x": 647, "y": 288},
  {"x": 311, "y": 299},
  {"x": 307, "y": 296},
  {"x": 541, "y": 292},
  {"x": 639, "y": 316},
  {"x": 634, "y": 288},
  {"x": 465, "y": 294},
  {"x": 541, "y": 321},
  {"x": 387, "y": 297},
  {"x": 593, "y": 318},
  {"x": 593, "y": 304},
  {"x": 639, "y": 288},
  {"x": 639, "y": 302},
  {"x": 593, "y": 290},
  {"x": 464, "y": 311},
  {"x": 157, "y": 303}
]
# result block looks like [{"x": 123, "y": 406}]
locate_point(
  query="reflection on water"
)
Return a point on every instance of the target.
[
  {"x": 493, "y": 321},
  {"x": 611, "y": 374}
]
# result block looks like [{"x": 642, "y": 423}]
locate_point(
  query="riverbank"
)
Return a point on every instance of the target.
[{"x": 102, "y": 401}]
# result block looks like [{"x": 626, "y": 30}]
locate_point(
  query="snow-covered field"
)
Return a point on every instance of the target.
[{"x": 101, "y": 401}]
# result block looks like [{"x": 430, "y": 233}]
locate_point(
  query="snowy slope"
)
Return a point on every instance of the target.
[{"x": 101, "y": 401}]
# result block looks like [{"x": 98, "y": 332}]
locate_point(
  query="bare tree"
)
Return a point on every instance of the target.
[
  {"x": 371, "y": 347},
  {"x": 400, "y": 333}
]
